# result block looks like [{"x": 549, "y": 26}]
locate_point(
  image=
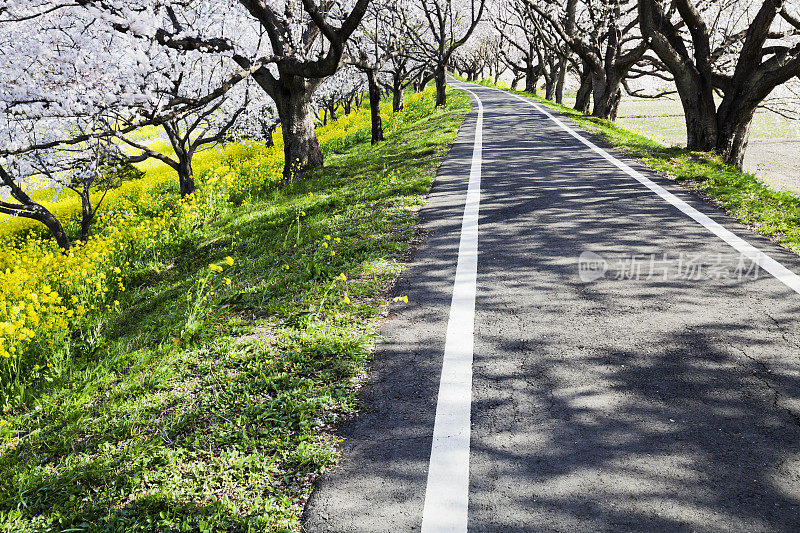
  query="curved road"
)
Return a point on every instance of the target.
[{"x": 613, "y": 362}]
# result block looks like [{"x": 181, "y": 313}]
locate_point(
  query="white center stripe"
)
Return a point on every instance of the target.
[
  {"x": 780, "y": 272},
  {"x": 447, "y": 492}
]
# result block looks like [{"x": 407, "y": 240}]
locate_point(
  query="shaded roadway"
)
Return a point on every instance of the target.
[{"x": 617, "y": 404}]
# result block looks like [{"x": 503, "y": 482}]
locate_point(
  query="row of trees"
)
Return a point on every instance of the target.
[
  {"x": 82, "y": 77},
  {"x": 725, "y": 59}
]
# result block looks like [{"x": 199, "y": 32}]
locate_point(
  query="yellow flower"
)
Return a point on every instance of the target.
[
  {"x": 346, "y": 300},
  {"x": 229, "y": 260},
  {"x": 327, "y": 237},
  {"x": 325, "y": 244},
  {"x": 342, "y": 277},
  {"x": 401, "y": 299},
  {"x": 214, "y": 268},
  {"x": 228, "y": 282}
]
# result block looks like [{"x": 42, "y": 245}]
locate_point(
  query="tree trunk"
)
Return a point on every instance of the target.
[
  {"x": 40, "y": 213},
  {"x": 700, "y": 110},
  {"x": 607, "y": 95},
  {"x": 268, "y": 132},
  {"x": 498, "y": 73},
  {"x": 550, "y": 86},
  {"x": 184, "y": 154},
  {"x": 56, "y": 229},
  {"x": 561, "y": 81},
  {"x": 441, "y": 86},
  {"x": 300, "y": 145},
  {"x": 531, "y": 79},
  {"x": 734, "y": 119},
  {"x": 583, "y": 98},
  {"x": 693, "y": 79},
  {"x": 615, "y": 105},
  {"x": 86, "y": 213},
  {"x": 733, "y": 141},
  {"x": 32, "y": 210},
  {"x": 422, "y": 82},
  {"x": 375, "y": 106},
  {"x": 397, "y": 97},
  {"x": 185, "y": 174}
]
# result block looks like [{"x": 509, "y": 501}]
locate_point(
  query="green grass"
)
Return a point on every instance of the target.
[
  {"x": 207, "y": 407},
  {"x": 772, "y": 213}
]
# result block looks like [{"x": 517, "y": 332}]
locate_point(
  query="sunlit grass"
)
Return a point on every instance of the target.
[{"x": 198, "y": 397}]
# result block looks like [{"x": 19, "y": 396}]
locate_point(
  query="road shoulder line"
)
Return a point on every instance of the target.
[
  {"x": 764, "y": 261},
  {"x": 447, "y": 491}
]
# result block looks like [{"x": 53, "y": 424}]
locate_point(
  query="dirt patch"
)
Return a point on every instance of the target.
[{"x": 776, "y": 162}]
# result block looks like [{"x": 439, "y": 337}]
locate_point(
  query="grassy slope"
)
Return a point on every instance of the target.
[
  {"x": 740, "y": 194},
  {"x": 222, "y": 425}
]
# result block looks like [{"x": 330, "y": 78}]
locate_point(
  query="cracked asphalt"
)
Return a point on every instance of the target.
[{"x": 662, "y": 396}]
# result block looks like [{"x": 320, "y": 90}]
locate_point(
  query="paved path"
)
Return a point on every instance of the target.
[{"x": 663, "y": 395}]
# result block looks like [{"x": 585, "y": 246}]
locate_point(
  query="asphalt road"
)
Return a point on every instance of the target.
[{"x": 630, "y": 370}]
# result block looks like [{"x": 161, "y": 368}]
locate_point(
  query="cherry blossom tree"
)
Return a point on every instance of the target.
[
  {"x": 92, "y": 166},
  {"x": 287, "y": 48},
  {"x": 62, "y": 76},
  {"x": 450, "y": 23},
  {"x": 515, "y": 22},
  {"x": 605, "y": 35},
  {"x": 742, "y": 50},
  {"x": 339, "y": 91},
  {"x": 389, "y": 38},
  {"x": 200, "y": 128}
]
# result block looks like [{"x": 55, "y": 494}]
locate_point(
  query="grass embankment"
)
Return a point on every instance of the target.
[
  {"x": 772, "y": 213},
  {"x": 202, "y": 400}
]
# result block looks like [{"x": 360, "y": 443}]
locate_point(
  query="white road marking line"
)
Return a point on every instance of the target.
[
  {"x": 447, "y": 492},
  {"x": 780, "y": 272}
]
